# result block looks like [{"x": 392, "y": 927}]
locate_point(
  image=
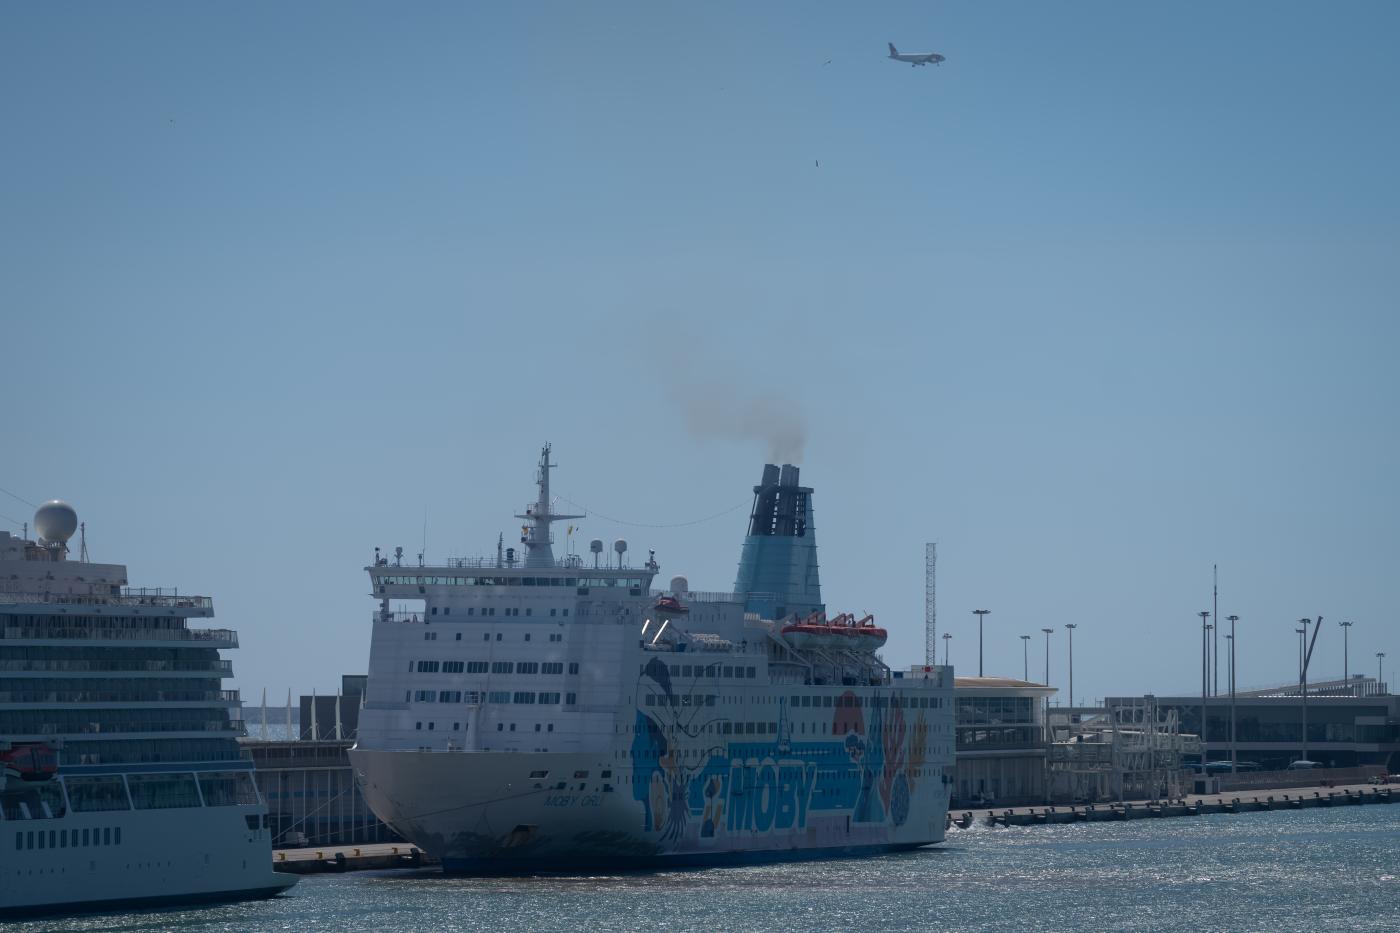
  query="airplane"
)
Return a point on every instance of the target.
[{"x": 915, "y": 58}]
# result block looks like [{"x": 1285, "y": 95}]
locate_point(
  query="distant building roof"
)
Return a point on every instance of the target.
[{"x": 991, "y": 684}]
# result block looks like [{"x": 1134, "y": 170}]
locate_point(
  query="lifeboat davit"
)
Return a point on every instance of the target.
[{"x": 30, "y": 762}]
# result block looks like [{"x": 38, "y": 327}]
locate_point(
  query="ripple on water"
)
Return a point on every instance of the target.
[{"x": 1291, "y": 870}]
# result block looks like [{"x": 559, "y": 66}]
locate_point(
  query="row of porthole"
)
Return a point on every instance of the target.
[{"x": 60, "y": 838}]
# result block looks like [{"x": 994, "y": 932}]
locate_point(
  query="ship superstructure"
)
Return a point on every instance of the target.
[
  {"x": 123, "y": 779},
  {"x": 528, "y": 711}
]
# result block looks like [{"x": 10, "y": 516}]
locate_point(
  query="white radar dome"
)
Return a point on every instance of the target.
[
  {"x": 55, "y": 521},
  {"x": 680, "y": 585},
  {"x": 620, "y": 546},
  {"x": 596, "y": 545}
]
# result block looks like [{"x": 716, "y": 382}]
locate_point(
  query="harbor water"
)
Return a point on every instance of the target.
[{"x": 1336, "y": 868}]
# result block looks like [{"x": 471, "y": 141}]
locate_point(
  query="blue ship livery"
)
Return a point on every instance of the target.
[{"x": 868, "y": 768}]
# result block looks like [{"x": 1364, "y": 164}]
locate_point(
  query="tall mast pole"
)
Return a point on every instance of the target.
[
  {"x": 1071, "y": 627},
  {"x": 1205, "y": 680},
  {"x": 1215, "y": 614},
  {"x": 1234, "y": 758},
  {"x": 1346, "y": 671},
  {"x": 1047, "y": 632},
  {"x": 980, "y": 613},
  {"x": 930, "y": 604},
  {"x": 1026, "y": 658}
]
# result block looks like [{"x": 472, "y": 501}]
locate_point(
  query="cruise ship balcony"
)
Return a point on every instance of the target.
[
  {"x": 11, "y": 698},
  {"x": 56, "y": 633},
  {"x": 43, "y": 667},
  {"x": 130, "y": 601}
]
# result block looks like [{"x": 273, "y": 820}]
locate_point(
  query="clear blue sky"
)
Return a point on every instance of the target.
[{"x": 1107, "y": 298}]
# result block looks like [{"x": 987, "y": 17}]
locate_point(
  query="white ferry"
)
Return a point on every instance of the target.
[
  {"x": 123, "y": 782},
  {"x": 528, "y": 713}
]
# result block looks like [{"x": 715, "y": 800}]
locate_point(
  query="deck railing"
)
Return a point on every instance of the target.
[
  {"x": 153, "y": 599},
  {"x": 87, "y": 632}
]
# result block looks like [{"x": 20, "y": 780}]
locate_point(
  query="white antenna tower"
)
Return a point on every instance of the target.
[{"x": 930, "y": 604}]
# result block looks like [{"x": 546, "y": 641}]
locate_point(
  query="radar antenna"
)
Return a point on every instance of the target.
[{"x": 536, "y": 535}]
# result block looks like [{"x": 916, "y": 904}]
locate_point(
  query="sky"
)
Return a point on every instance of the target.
[{"x": 1105, "y": 300}]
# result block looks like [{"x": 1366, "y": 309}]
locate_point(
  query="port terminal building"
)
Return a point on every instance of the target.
[
  {"x": 303, "y": 770},
  {"x": 1001, "y": 741},
  {"x": 1350, "y": 723}
]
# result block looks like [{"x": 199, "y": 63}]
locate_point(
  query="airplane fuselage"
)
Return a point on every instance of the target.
[{"x": 915, "y": 58}]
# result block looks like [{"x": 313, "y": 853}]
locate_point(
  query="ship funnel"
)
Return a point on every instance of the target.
[{"x": 778, "y": 573}]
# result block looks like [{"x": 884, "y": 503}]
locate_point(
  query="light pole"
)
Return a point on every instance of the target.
[
  {"x": 1047, "y": 632},
  {"x": 1071, "y": 627},
  {"x": 1212, "y": 660},
  {"x": 1380, "y": 669},
  {"x": 1205, "y": 682},
  {"x": 1234, "y": 756},
  {"x": 1303, "y": 679},
  {"x": 979, "y": 613},
  {"x": 1346, "y": 672},
  {"x": 947, "y": 637},
  {"x": 1025, "y": 658}
]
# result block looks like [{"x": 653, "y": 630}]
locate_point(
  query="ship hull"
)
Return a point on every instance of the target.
[
  {"x": 482, "y": 812},
  {"x": 140, "y": 858}
]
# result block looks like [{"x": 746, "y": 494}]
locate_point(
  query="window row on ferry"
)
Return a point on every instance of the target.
[
  {"x": 547, "y": 697},
  {"x": 414, "y": 617},
  {"x": 396, "y": 579},
  {"x": 708, "y": 670},
  {"x": 500, "y": 636},
  {"x": 500, "y": 727},
  {"x": 69, "y": 838},
  {"x": 492, "y": 667},
  {"x": 854, "y": 701}
]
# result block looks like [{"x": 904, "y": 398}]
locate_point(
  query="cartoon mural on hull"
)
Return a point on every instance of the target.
[{"x": 698, "y": 778}]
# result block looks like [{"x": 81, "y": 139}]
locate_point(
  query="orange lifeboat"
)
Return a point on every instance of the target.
[
  {"x": 669, "y": 604},
  {"x": 814, "y": 632},
  {"x": 30, "y": 762},
  {"x": 865, "y": 635}
]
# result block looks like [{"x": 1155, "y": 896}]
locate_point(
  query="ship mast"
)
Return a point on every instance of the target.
[{"x": 536, "y": 535}]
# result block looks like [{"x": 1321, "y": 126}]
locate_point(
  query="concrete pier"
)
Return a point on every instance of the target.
[
  {"x": 321, "y": 859},
  {"x": 1294, "y": 798}
]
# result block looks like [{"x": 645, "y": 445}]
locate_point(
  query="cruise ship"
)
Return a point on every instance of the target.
[
  {"x": 526, "y": 712},
  {"x": 123, "y": 782}
]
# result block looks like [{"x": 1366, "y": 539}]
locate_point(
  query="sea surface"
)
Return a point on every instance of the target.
[{"x": 1329, "y": 869}]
